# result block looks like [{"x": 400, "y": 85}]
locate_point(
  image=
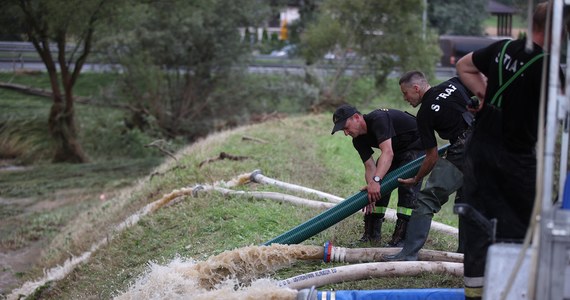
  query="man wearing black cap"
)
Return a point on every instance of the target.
[{"x": 395, "y": 133}]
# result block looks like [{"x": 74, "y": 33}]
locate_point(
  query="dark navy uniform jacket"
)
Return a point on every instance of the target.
[
  {"x": 521, "y": 98},
  {"x": 442, "y": 111},
  {"x": 383, "y": 124}
]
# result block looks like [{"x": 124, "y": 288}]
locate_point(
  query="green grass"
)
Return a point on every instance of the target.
[
  {"x": 37, "y": 226},
  {"x": 90, "y": 176},
  {"x": 41, "y": 204},
  {"x": 102, "y": 132},
  {"x": 300, "y": 150},
  {"x": 60, "y": 206},
  {"x": 88, "y": 84}
]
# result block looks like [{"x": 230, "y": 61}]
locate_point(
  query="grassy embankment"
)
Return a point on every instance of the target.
[
  {"x": 298, "y": 150},
  {"x": 39, "y": 201}
]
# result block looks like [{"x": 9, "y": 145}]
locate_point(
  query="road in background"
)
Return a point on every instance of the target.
[{"x": 23, "y": 56}]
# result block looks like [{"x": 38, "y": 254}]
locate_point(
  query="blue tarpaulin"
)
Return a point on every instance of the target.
[{"x": 403, "y": 294}]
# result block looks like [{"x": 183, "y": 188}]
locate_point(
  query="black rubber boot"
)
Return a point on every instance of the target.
[
  {"x": 417, "y": 233},
  {"x": 399, "y": 235},
  {"x": 367, "y": 229},
  {"x": 376, "y": 229}
]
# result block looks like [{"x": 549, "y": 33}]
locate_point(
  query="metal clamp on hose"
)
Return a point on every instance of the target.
[
  {"x": 327, "y": 251},
  {"x": 308, "y": 294},
  {"x": 196, "y": 189},
  {"x": 255, "y": 173}
]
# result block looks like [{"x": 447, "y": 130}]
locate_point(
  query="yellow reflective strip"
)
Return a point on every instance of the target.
[
  {"x": 379, "y": 209},
  {"x": 474, "y": 292},
  {"x": 405, "y": 211}
]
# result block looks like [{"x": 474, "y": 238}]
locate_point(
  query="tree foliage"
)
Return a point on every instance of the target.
[
  {"x": 308, "y": 11},
  {"x": 379, "y": 36},
  {"x": 463, "y": 17},
  {"x": 9, "y": 22},
  {"x": 51, "y": 26},
  {"x": 175, "y": 54}
]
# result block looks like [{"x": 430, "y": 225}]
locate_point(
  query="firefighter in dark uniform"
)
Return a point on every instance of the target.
[
  {"x": 395, "y": 133},
  {"x": 443, "y": 110},
  {"x": 500, "y": 159}
]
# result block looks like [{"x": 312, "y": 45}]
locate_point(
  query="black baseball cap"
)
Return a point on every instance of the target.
[{"x": 340, "y": 116}]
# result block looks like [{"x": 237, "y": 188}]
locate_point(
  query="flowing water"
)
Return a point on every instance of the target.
[{"x": 237, "y": 274}]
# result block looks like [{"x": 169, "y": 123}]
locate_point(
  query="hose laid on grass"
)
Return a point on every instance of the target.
[
  {"x": 370, "y": 270},
  {"x": 347, "y": 207},
  {"x": 258, "y": 177},
  {"x": 266, "y": 195},
  {"x": 390, "y": 213},
  {"x": 359, "y": 255}
]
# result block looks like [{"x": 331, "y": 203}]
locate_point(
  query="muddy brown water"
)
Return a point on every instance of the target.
[
  {"x": 237, "y": 274},
  {"x": 14, "y": 262}
]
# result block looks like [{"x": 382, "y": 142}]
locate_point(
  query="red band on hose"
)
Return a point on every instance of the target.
[{"x": 329, "y": 250}]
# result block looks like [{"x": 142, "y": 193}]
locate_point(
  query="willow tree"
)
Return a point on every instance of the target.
[
  {"x": 62, "y": 32},
  {"x": 176, "y": 55}
]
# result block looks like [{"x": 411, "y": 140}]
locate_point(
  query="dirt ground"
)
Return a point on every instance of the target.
[{"x": 16, "y": 260}]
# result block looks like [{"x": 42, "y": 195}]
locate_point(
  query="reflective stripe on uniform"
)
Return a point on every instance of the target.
[
  {"x": 474, "y": 281},
  {"x": 473, "y": 287},
  {"x": 473, "y": 292},
  {"x": 379, "y": 209},
  {"x": 405, "y": 211}
]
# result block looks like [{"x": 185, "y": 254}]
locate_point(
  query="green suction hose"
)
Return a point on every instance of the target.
[{"x": 347, "y": 207}]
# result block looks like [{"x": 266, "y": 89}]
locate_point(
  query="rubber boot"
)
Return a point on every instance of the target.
[
  {"x": 367, "y": 229},
  {"x": 416, "y": 236},
  {"x": 399, "y": 234},
  {"x": 376, "y": 229}
]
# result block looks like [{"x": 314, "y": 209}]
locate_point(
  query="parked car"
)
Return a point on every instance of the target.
[
  {"x": 338, "y": 54},
  {"x": 286, "y": 51}
]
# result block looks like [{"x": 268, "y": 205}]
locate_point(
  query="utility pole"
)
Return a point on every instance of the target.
[{"x": 424, "y": 20}]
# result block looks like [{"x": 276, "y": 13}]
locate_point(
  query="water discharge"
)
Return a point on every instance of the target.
[{"x": 237, "y": 274}]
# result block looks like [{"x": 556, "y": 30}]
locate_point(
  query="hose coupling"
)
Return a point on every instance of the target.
[{"x": 254, "y": 174}]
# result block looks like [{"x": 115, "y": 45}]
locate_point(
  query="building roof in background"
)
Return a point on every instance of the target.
[{"x": 494, "y": 7}]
